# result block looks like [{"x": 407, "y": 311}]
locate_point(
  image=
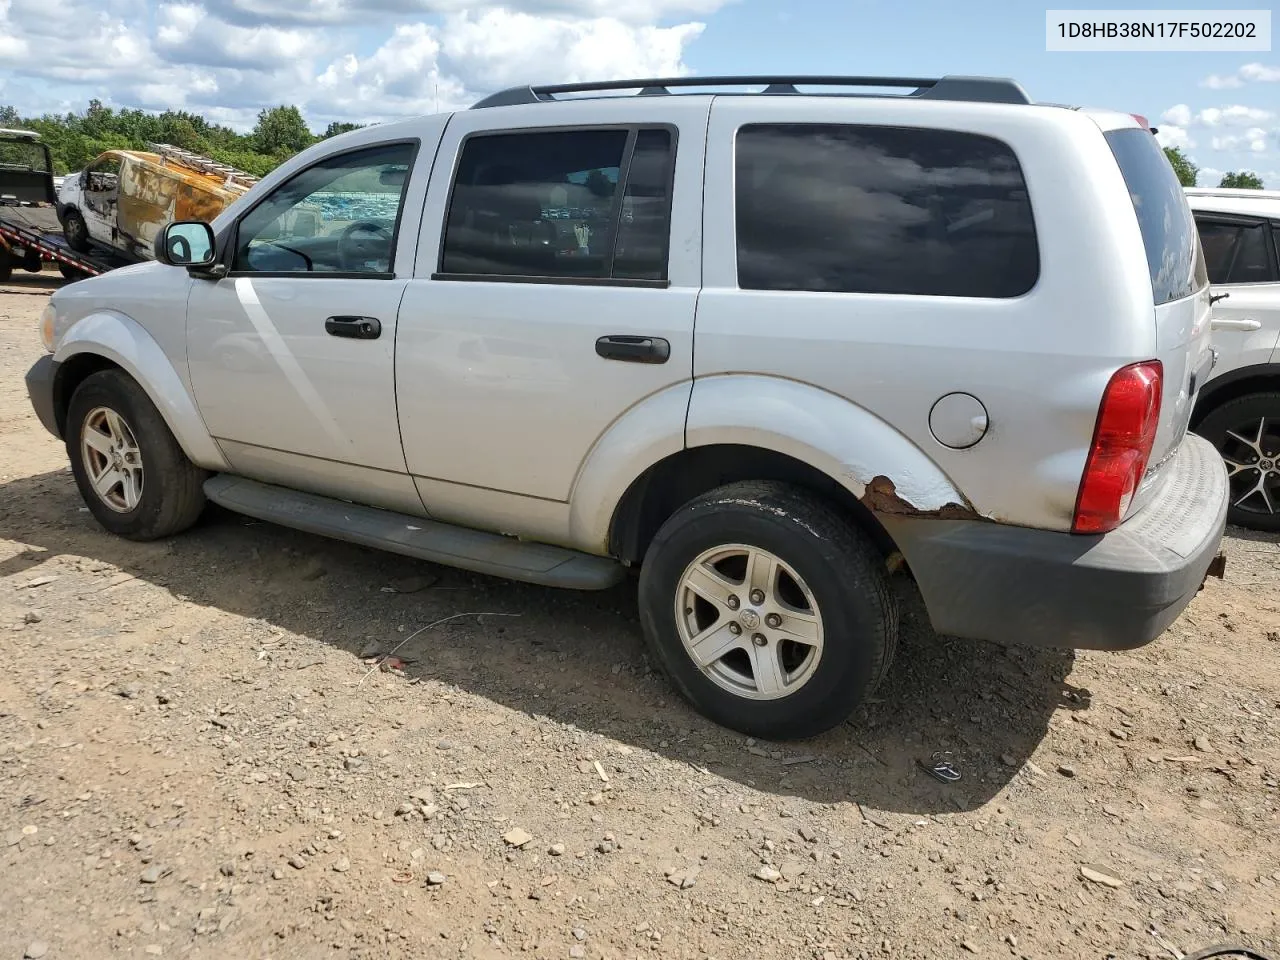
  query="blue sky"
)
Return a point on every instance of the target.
[{"x": 377, "y": 59}]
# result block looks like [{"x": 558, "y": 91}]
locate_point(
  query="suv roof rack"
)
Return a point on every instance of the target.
[{"x": 971, "y": 89}]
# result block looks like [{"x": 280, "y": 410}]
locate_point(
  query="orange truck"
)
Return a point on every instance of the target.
[{"x": 122, "y": 199}]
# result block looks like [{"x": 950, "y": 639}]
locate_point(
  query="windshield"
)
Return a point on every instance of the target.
[{"x": 24, "y": 155}]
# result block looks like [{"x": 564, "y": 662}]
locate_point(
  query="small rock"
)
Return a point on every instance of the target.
[
  {"x": 1202, "y": 744},
  {"x": 1008, "y": 759},
  {"x": 1066, "y": 770},
  {"x": 1073, "y": 839},
  {"x": 968, "y": 945},
  {"x": 228, "y": 869},
  {"x": 40, "y": 582},
  {"x": 413, "y": 584},
  {"x": 129, "y": 691},
  {"x": 352, "y": 764},
  {"x": 1218, "y": 886},
  {"x": 341, "y": 865},
  {"x": 793, "y": 869},
  {"x": 444, "y": 745},
  {"x": 36, "y": 949},
  {"x": 579, "y": 934},
  {"x": 435, "y": 878},
  {"x": 577, "y": 952},
  {"x": 32, "y": 616},
  {"x": 153, "y": 949},
  {"x": 517, "y": 837},
  {"x": 1097, "y": 876},
  {"x": 423, "y": 795},
  {"x": 297, "y": 773},
  {"x": 768, "y": 874},
  {"x": 556, "y": 850},
  {"x": 1119, "y": 734},
  {"x": 405, "y": 809},
  {"x": 297, "y": 862},
  {"x": 277, "y": 874},
  {"x": 154, "y": 874},
  {"x": 807, "y": 835}
]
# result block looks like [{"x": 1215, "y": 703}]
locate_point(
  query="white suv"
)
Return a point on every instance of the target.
[
  {"x": 764, "y": 345},
  {"x": 1239, "y": 407}
]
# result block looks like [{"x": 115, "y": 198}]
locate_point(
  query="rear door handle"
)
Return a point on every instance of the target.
[
  {"x": 634, "y": 349},
  {"x": 1246, "y": 324},
  {"x": 354, "y": 328}
]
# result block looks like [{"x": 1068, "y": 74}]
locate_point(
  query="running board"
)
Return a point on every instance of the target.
[{"x": 431, "y": 540}]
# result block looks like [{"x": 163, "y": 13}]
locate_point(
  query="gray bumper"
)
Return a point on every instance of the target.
[
  {"x": 1117, "y": 591},
  {"x": 40, "y": 389}
]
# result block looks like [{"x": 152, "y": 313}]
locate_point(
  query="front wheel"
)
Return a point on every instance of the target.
[
  {"x": 1246, "y": 432},
  {"x": 76, "y": 231},
  {"x": 132, "y": 473},
  {"x": 769, "y": 611}
]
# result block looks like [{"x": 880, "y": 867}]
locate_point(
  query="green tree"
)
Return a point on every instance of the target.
[
  {"x": 1245, "y": 179},
  {"x": 337, "y": 127},
  {"x": 281, "y": 131},
  {"x": 9, "y": 116},
  {"x": 1182, "y": 166}
]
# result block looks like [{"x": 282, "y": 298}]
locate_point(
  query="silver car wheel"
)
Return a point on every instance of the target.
[
  {"x": 749, "y": 622},
  {"x": 111, "y": 459}
]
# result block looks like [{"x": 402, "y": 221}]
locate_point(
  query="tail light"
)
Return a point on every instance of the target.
[{"x": 1122, "y": 441}]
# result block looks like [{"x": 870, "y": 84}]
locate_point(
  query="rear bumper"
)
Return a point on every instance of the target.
[
  {"x": 40, "y": 380},
  {"x": 1116, "y": 591}
]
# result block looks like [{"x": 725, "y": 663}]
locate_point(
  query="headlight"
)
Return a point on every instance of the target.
[{"x": 47, "y": 317}]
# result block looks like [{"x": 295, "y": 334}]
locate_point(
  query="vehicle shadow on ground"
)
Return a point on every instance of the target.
[{"x": 578, "y": 658}]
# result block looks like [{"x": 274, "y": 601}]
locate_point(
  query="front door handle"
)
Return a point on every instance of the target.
[
  {"x": 1245, "y": 324},
  {"x": 355, "y": 328},
  {"x": 634, "y": 349}
]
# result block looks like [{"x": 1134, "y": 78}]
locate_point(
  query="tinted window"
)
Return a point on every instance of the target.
[
  {"x": 1218, "y": 241},
  {"x": 1253, "y": 262},
  {"x": 339, "y": 216},
  {"x": 866, "y": 209},
  {"x": 549, "y": 204},
  {"x": 1168, "y": 232}
]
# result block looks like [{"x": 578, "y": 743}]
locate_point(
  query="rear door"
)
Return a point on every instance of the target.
[
  {"x": 1240, "y": 255},
  {"x": 1179, "y": 284},
  {"x": 559, "y": 294}
]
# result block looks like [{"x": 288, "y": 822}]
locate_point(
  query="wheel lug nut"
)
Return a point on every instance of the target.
[
  {"x": 773, "y": 620},
  {"x": 735, "y": 629},
  {"x": 759, "y": 639},
  {"x": 757, "y": 596},
  {"x": 734, "y": 603}
]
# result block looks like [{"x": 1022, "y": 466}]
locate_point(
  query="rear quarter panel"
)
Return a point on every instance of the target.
[{"x": 1038, "y": 363}]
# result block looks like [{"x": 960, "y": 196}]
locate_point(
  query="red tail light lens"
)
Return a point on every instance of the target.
[{"x": 1122, "y": 442}]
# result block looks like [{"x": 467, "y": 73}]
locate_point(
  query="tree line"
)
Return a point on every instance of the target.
[
  {"x": 74, "y": 139},
  {"x": 1188, "y": 171}
]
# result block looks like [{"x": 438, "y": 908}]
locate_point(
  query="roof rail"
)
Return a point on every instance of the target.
[{"x": 972, "y": 89}]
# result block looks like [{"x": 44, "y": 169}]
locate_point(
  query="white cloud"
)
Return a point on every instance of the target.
[
  {"x": 1249, "y": 73},
  {"x": 1254, "y": 139},
  {"x": 1179, "y": 114},
  {"x": 1172, "y": 135},
  {"x": 227, "y": 59},
  {"x": 1209, "y": 176},
  {"x": 1233, "y": 116}
]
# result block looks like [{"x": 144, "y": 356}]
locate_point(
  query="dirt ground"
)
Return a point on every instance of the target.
[{"x": 200, "y": 757}]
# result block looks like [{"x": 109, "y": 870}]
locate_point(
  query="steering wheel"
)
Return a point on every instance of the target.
[{"x": 354, "y": 252}]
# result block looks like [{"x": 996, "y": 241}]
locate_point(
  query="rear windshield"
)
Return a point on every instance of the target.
[
  {"x": 1168, "y": 230},
  {"x": 24, "y": 155}
]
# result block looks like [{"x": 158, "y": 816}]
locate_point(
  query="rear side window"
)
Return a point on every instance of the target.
[
  {"x": 870, "y": 209},
  {"x": 1174, "y": 257},
  {"x": 1237, "y": 252}
]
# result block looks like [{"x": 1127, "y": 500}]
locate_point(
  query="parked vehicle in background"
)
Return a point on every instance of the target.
[
  {"x": 1239, "y": 408},
  {"x": 30, "y": 235},
  {"x": 122, "y": 199},
  {"x": 470, "y": 338}
]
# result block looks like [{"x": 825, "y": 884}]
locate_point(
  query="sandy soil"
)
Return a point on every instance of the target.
[{"x": 200, "y": 757}]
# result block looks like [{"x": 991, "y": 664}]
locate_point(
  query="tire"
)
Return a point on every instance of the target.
[
  {"x": 75, "y": 230},
  {"x": 1254, "y": 418},
  {"x": 829, "y": 567},
  {"x": 6, "y": 264},
  {"x": 32, "y": 262},
  {"x": 171, "y": 494},
  {"x": 70, "y": 273}
]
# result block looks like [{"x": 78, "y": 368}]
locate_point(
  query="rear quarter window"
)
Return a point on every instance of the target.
[
  {"x": 854, "y": 208},
  {"x": 1174, "y": 257}
]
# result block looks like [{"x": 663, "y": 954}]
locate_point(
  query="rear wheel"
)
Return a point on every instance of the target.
[
  {"x": 70, "y": 273},
  {"x": 1246, "y": 432},
  {"x": 132, "y": 473},
  {"x": 76, "y": 231},
  {"x": 769, "y": 611},
  {"x": 6, "y": 264}
]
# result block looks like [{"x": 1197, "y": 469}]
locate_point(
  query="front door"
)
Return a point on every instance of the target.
[
  {"x": 291, "y": 354},
  {"x": 101, "y": 198},
  {"x": 1240, "y": 255}
]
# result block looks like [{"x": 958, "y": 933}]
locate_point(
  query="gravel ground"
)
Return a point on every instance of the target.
[{"x": 201, "y": 756}]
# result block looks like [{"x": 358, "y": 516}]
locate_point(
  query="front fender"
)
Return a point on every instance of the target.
[
  {"x": 126, "y": 343},
  {"x": 871, "y": 459}
]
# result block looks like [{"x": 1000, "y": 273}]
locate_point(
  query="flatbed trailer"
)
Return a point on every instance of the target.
[{"x": 30, "y": 236}]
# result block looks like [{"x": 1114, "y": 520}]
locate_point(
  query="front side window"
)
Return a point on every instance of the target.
[
  {"x": 872, "y": 209},
  {"x": 567, "y": 204},
  {"x": 339, "y": 216},
  {"x": 1237, "y": 252}
]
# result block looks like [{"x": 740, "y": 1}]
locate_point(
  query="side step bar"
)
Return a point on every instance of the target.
[{"x": 418, "y": 537}]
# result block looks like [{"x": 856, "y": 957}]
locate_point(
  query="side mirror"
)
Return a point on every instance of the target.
[{"x": 186, "y": 243}]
